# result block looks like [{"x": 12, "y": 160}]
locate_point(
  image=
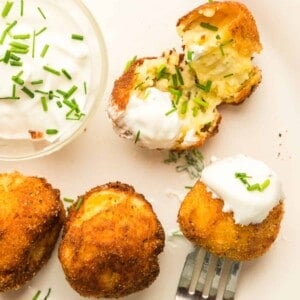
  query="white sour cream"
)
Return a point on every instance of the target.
[
  {"x": 147, "y": 118},
  {"x": 196, "y": 51},
  {"x": 248, "y": 207},
  {"x": 21, "y": 116}
]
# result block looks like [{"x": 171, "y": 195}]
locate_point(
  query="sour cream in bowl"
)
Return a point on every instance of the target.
[{"x": 53, "y": 69}]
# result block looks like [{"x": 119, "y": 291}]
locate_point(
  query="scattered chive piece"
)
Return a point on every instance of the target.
[
  {"x": 59, "y": 104},
  {"x": 85, "y": 88},
  {"x": 6, "y": 31},
  {"x": 44, "y": 103},
  {"x": 50, "y": 95},
  {"x": 138, "y": 85},
  {"x": 195, "y": 111},
  {"x": 218, "y": 37},
  {"x": 228, "y": 75},
  {"x": 19, "y": 51},
  {"x": 14, "y": 90},
  {"x": 48, "y": 294},
  {"x": 184, "y": 106},
  {"x": 41, "y": 12},
  {"x": 22, "y": 8},
  {"x": 137, "y": 137},
  {"x": 51, "y": 70},
  {"x": 170, "y": 111},
  {"x": 130, "y": 63},
  {"x": 179, "y": 76},
  {"x": 71, "y": 91},
  {"x": 70, "y": 200},
  {"x": 265, "y": 184},
  {"x": 253, "y": 187},
  {"x": 6, "y": 56},
  {"x": 51, "y": 131},
  {"x": 36, "y": 296},
  {"x": 161, "y": 72},
  {"x": 28, "y": 92},
  {"x": 15, "y": 57},
  {"x": 209, "y": 26},
  {"x": 177, "y": 233},
  {"x": 206, "y": 88},
  {"x": 175, "y": 80},
  {"x": 66, "y": 74},
  {"x": 41, "y": 92},
  {"x": 201, "y": 102},
  {"x": 33, "y": 44},
  {"x": 36, "y": 82},
  {"x": 9, "y": 98},
  {"x": 79, "y": 202},
  {"x": 21, "y": 36},
  {"x": 188, "y": 187},
  {"x": 7, "y": 8},
  {"x": 44, "y": 51},
  {"x": 224, "y": 44},
  {"x": 190, "y": 55},
  {"x": 19, "y": 45},
  {"x": 40, "y": 31},
  {"x": 17, "y": 80},
  {"x": 77, "y": 37},
  {"x": 15, "y": 63}
]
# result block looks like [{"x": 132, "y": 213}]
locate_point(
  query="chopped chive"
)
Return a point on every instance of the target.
[
  {"x": 51, "y": 70},
  {"x": 21, "y": 36},
  {"x": 28, "y": 92},
  {"x": 15, "y": 57},
  {"x": 36, "y": 296},
  {"x": 48, "y": 294},
  {"x": 42, "y": 13},
  {"x": 188, "y": 187},
  {"x": 7, "y": 8},
  {"x": 77, "y": 37},
  {"x": 137, "y": 137},
  {"x": 190, "y": 55},
  {"x": 33, "y": 44},
  {"x": 228, "y": 75},
  {"x": 179, "y": 76},
  {"x": 195, "y": 111},
  {"x": 201, "y": 102},
  {"x": 209, "y": 26},
  {"x": 41, "y": 92},
  {"x": 17, "y": 80},
  {"x": 71, "y": 91},
  {"x": 14, "y": 89},
  {"x": 19, "y": 51},
  {"x": 218, "y": 37},
  {"x": 66, "y": 74},
  {"x": 264, "y": 185},
  {"x": 36, "y": 82},
  {"x": 19, "y": 45},
  {"x": 171, "y": 111},
  {"x": 44, "y": 51},
  {"x": 40, "y": 31},
  {"x": 175, "y": 80},
  {"x": 51, "y": 95},
  {"x": 9, "y": 98},
  {"x": 206, "y": 88},
  {"x": 184, "y": 106},
  {"x": 85, "y": 88},
  {"x": 224, "y": 44},
  {"x": 70, "y": 200},
  {"x": 22, "y": 8},
  {"x": 79, "y": 203},
  {"x": 138, "y": 85},
  {"x": 161, "y": 72},
  {"x": 15, "y": 63},
  {"x": 6, "y": 31},
  {"x": 51, "y": 131},
  {"x": 6, "y": 57},
  {"x": 176, "y": 93},
  {"x": 59, "y": 104},
  {"x": 44, "y": 103},
  {"x": 130, "y": 63},
  {"x": 68, "y": 103},
  {"x": 63, "y": 93},
  {"x": 253, "y": 187}
]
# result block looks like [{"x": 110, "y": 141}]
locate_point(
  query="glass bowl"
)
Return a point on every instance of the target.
[{"x": 23, "y": 149}]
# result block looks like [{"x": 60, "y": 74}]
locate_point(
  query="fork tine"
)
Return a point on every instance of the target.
[
  {"x": 212, "y": 264},
  {"x": 224, "y": 277}
]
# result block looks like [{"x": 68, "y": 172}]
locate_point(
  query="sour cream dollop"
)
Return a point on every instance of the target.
[
  {"x": 223, "y": 179},
  {"x": 36, "y": 103},
  {"x": 149, "y": 119}
]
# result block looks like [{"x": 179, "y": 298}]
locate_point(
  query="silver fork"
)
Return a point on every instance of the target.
[{"x": 206, "y": 276}]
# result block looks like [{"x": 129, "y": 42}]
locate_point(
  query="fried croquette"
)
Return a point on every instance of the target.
[
  {"x": 171, "y": 101},
  {"x": 203, "y": 222},
  {"x": 111, "y": 242},
  {"x": 31, "y": 217}
]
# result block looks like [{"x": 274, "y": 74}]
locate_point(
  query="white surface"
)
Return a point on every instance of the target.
[{"x": 98, "y": 155}]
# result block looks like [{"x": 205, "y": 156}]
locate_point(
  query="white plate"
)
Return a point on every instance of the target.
[{"x": 146, "y": 28}]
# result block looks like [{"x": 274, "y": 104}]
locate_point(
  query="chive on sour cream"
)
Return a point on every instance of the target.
[{"x": 45, "y": 70}]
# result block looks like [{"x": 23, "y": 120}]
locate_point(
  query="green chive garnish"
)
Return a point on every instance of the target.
[
  {"x": 44, "y": 51},
  {"x": 19, "y": 51},
  {"x": 40, "y": 31},
  {"x": 21, "y": 36},
  {"x": 243, "y": 177},
  {"x": 77, "y": 37},
  {"x": 41, "y": 12},
  {"x": 161, "y": 72},
  {"x": 59, "y": 104},
  {"x": 41, "y": 92},
  {"x": 6, "y": 57},
  {"x": 28, "y": 92},
  {"x": 51, "y": 131},
  {"x": 228, "y": 75},
  {"x": 130, "y": 63},
  {"x": 19, "y": 45},
  {"x": 51, "y": 70},
  {"x": 14, "y": 63},
  {"x": 190, "y": 55},
  {"x": 137, "y": 137},
  {"x": 218, "y": 37},
  {"x": 17, "y": 80},
  {"x": 175, "y": 80},
  {"x": 179, "y": 76},
  {"x": 171, "y": 111},
  {"x": 36, "y": 296},
  {"x": 195, "y": 111},
  {"x": 7, "y": 8},
  {"x": 63, "y": 93},
  {"x": 33, "y": 44},
  {"x": 85, "y": 88},
  {"x": 51, "y": 95},
  {"x": 6, "y": 31},
  {"x": 184, "y": 106},
  {"x": 206, "y": 88},
  {"x": 36, "y": 82},
  {"x": 14, "y": 89},
  {"x": 224, "y": 44},
  {"x": 265, "y": 184},
  {"x": 48, "y": 294},
  {"x": 44, "y": 103},
  {"x": 14, "y": 57},
  {"x": 209, "y": 26},
  {"x": 66, "y": 74},
  {"x": 70, "y": 200},
  {"x": 71, "y": 91},
  {"x": 201, "y": 102},
  {"x": 79, "y": 203},
  {"x": 22, "y": 8}
]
